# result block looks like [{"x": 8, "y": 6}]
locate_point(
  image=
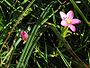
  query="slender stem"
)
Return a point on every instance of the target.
[
  {"x": 65, "y": 61},
  {"x": 13, "y": 47},
  {"x": 80, "y": 12},
  {"x": 9, "y": 4},
  {"x": 89, "y": 57},
  {"x": 68, "y": 47},
  {"x": 9, "y": 53},
  {"x": 38, "y": 64},
  {"x": 46, "y": 52}
]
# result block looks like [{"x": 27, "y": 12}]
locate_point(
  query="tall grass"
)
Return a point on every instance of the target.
[{"x": 49, "y": 45}]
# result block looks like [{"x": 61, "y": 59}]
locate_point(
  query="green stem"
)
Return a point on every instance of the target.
[
  {"x": 9, "y": 53},
  {"x": 46, "y": 52},
  {"x": 68, "y": 47},
  {"x": 9, "y": 4},
  {"x": 80, "y": 12},
  {"x": 13, "y": 47},
  {"x": 63, "y": 58},
  {"x": 38, "y": 64},
  {"x": 89, "y": 57}
]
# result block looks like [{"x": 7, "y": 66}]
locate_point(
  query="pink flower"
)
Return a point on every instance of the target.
[
  {"x": 24, "y": 35},
  {"x": 68, "y": 20}
]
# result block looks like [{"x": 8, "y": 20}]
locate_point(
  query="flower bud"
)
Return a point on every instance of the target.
[{"x": 24, "y": 35}]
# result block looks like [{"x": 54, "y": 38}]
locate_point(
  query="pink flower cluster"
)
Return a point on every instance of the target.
[{"x": 68, "y": 20}]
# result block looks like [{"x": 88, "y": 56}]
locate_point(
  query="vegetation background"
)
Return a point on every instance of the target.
[{"x": 49, "y": 45}]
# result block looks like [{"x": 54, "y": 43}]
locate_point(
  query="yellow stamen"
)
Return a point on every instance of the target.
[{"x": 68, "y": 20}]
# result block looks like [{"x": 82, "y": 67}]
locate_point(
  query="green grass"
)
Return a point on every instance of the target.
[{"x": 50, "y": 45}]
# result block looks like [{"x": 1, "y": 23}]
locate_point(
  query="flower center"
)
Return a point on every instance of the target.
[{"x": 68, "y": 20}]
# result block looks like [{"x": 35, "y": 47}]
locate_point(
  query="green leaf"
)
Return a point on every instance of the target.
[{"x": 24, "y": 1}]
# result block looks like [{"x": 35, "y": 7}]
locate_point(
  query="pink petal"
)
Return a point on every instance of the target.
[
  {"x": 70, "y": 14},
  {"x": 63, "y": 15},
  {"x": 63, "y": 23},
  {"x": 76, "y": 21},
  {"x": 72, "y": 27}
]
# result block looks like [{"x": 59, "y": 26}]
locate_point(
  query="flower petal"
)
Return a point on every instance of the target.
[
  {"x": 63, "y": 15},
  {"x": 63, "y": 23},
  {"x": 76, "y": 21},
  {"x": 72, "y": 27},
  {"x": 70, "y": 14}
]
